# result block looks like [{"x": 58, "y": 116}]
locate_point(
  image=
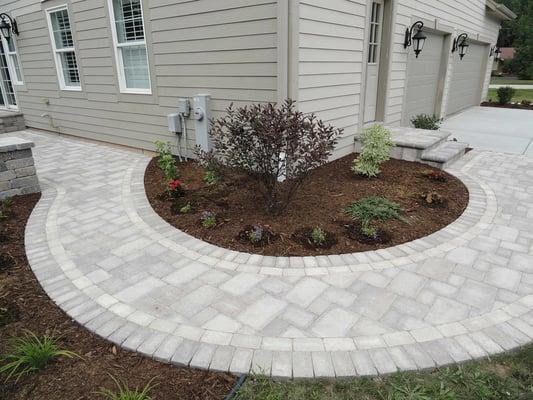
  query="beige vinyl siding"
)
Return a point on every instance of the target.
[
  {"x": 224, "y": 48},
  {"x": 462, "y": 16},
  {"x": 331, "y": 40}
]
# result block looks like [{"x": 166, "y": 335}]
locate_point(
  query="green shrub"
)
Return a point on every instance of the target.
[
  {"x": 425, "y": 121},
  {"x": 211, "y": 178},
  {"x": 186, "y": 209},
  {"x": 31, "y": 354},
  {"x": 166, "y": 161},
  {"x": 318, "y": 236},
  {"x": 377, "y": 144},
  {"x": 371, "y": 210},
  {"x": 4, "y": 208},
  {"x": 123, "y": 392},
  {"x": 506, "y": 94}
]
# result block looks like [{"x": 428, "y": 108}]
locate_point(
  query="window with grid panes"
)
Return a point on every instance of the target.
[
  {"x": 63, "y": 47},
  {"x": 130, "y": 44}
]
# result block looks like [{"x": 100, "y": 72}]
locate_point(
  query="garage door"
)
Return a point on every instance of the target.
[
  {"x": 423, "y": 78},
  {"x": 467, "y": 78}
]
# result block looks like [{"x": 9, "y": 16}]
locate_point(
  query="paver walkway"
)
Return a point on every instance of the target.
[{"x": 113, "y": 265}]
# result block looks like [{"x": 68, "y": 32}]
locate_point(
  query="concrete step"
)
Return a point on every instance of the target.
[
  {"x": 445, "y": 154},
  {"x": 419, "y": 139},
  {"x": 426, "y": 146}
]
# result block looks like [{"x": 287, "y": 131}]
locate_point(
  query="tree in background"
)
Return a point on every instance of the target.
[{"x": 519, "y": 34}]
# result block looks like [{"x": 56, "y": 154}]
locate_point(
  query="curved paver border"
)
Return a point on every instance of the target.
[
  {"x": 480, "y": 212},
  {"x": 502, "y": 329}
]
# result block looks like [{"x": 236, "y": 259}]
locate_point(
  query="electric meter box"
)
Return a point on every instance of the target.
[{"x": 174, "y": 123}]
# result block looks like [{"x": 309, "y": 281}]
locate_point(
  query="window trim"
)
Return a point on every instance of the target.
[
  {"x": 118, "y": 57},
  {"x": 56, "y": 51},
  {"x": 10, "y": 62}
]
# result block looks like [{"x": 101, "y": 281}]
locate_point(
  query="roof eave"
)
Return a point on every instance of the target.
[{"x": 500, "y": 11}]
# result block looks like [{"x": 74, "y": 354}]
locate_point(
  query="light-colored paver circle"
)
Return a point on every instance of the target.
[{"x": 104, "y": 256}]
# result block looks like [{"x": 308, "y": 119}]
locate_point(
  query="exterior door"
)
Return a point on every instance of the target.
[
  {"x": 7, "y": 92},
  {"x": 467, "y": 78},
  {"x": 423, "y": 76},
  {"x": 372, "y": 69}
]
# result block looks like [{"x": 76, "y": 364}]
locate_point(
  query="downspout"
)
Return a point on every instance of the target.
[{"x": 288, "y": 49}]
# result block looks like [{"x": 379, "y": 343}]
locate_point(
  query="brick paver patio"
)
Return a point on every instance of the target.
[{"x": 112, "y": 264}]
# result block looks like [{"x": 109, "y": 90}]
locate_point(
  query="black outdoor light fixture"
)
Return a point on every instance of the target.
[
  {"x": 461, "y": 43},
  {"x": 419, "y": 37},
  {"x": 496, "y": 52},
  {"x": 8, "y": 25}
]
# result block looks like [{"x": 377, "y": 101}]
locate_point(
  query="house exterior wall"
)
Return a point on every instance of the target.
[
  {"x": 225, "y": 48},
  {"x": 238, "y": 51},
  {"x": 331, "y": 53},
  {"x": 451, "y": 16},
  {"x": 333, "y": 39}
]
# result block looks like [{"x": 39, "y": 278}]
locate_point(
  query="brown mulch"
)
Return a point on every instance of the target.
[
  {"x": 24, "y": 305},
  {"x": 514, "y": 106},
  {"x": 319, "y": 203}
]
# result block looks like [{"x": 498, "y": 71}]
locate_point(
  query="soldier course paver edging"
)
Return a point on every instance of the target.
[{"x": 111, "y": 263}]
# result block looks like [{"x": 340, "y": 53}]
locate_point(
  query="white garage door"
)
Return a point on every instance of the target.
[
  {"x": 423, "y": 78},
  {"x": 467, "y": 78}
]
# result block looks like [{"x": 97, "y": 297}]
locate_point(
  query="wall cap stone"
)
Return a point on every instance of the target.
[{"x": 13, "y": 144}]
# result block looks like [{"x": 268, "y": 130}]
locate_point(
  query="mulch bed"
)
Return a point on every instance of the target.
[
  {"x": 516, "y": 106},
  {"x": 319, "y": 203},
  {"x": 24, "y": 305}
]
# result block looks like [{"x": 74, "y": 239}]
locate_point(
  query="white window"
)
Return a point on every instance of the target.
[
  {"x": 12, "y": 60},
  {"x": 130, "y": 46},
  {"x": 63, "y": 47}
]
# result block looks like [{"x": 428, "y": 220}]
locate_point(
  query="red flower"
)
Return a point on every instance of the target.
[{"x": 175, "y": 185}]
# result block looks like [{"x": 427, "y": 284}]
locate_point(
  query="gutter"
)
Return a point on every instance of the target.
[{"x": 501, "y": 11}]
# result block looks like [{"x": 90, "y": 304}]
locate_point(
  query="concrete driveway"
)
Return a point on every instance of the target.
[{"x": 498, "y": 129}]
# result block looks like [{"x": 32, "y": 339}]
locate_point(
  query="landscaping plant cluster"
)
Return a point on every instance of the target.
[{"x": 275, "y": 149}]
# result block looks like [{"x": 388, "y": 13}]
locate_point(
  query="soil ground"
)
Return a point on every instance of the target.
[
  {"x": 320, "y": 202},
  {"x": 24, "y": 306}
]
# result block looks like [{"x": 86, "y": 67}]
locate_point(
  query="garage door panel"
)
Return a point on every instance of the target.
[
  {"x": 467, "y": 79},
  {"x": 423, "y": 78}
]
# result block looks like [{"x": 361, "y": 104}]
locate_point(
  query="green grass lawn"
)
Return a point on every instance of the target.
[
  {"x": 496, "y": 80},
  {"x": 508, "y": 377},
  {"x": 521, "y": 94}
]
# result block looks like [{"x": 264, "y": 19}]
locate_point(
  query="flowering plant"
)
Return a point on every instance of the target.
[
  {"x": 208, "y": 219},
  {"x": 255, "y": 234},
  {"x": 176, "y": 188}
]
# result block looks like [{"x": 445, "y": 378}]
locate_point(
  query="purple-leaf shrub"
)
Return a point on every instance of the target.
[{"x": 275, "y": 145}]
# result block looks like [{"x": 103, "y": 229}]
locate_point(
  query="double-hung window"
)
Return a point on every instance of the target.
[
  {"x": 63, "y": 48},
  {"x": 130, "y": 46},
  {"x": 12, "y": 60}
]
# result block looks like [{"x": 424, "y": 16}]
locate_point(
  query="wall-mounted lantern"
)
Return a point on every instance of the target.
[
  {"x": 8, "y": 25},
  {"x": 419, "y": 38},
  {"x": 461, "y": 43},
  {"x": 496, "y": 52}
]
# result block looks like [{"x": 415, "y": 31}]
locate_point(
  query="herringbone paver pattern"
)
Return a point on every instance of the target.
[{"x": 111, "y": 263}]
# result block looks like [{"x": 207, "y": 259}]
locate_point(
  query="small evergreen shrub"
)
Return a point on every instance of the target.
[
  {"x": 370, "y": 211},
  {"x": 275, "y": 145},
  {"x": 318, "y": 236},
  {"x": 30, "y": 353},
  {"x": 377, "y": 145},
  {"x": 166, "y": 161},
  {"x": 186, "y": 209},
  {"x": 506, "y": 94},
  {"x": 425, "y": 121}
]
